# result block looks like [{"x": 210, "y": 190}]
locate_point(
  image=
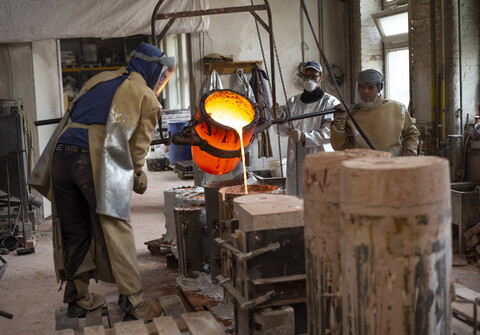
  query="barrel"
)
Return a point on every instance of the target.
[
  {"x": 178, "y": 152},
  {"x": 396, "y": 246},
  {"x": 321, "y": 192},
  {"x": 221, "y": 137}
]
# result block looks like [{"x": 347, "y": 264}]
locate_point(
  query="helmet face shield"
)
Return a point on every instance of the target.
[
  {"x": 165, "y": 75},
  {"x": 168, "y": 66}
]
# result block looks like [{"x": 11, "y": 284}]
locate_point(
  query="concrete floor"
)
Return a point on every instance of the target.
[{"x": 29, "y": 289}]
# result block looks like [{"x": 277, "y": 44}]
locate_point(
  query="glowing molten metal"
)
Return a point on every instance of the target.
[{"x": 230, "y": 127}]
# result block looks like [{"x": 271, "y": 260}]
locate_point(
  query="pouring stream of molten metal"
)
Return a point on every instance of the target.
[{"x": 235, "y": 120}]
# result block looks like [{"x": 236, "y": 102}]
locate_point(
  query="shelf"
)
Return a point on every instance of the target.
[
  {"x": 90, "y": 69},
  {"x": 227, "y": 67}
]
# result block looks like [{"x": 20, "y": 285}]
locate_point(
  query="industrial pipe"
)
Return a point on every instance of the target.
[{"x": 433, "y": 73}]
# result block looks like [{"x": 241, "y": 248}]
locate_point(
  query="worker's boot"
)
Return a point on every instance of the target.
[
  {"x": 141, "y": 309},
  {"x": 86, "y": 301}
]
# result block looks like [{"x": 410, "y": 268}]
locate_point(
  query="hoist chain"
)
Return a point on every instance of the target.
[{"x": 271, "y": 91}]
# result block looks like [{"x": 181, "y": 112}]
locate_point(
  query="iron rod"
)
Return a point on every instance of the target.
[{"x": 213, "y": 11}]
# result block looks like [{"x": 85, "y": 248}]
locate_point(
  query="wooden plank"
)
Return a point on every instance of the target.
[
  {"x": 466, "y": 293},
  {"x": 94, "y": 318},
  {"x": 136, "y": 327},
  {"x": 115, "y": 314},
  {"x": 172, "y": 306},
  {"x": 461, "y": 328},
  {"x": 464, "y": 310},
  {"x": 166, "y": 326},
  {"x": 94, "y": 330},
  {"x": 229, "y": 67},
  {"x": 65, "y": 332},
  {"x": 200, "y": 323},
  {"x": 63, "y": 321}
]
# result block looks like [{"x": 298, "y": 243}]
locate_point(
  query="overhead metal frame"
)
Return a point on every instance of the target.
[{"x": 252, "y": 9}]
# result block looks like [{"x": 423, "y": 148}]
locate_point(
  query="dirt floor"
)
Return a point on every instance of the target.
[{"x": 29, "y": 289}]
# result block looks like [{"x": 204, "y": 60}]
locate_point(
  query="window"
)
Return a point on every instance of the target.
[
  {"x": 397, "y": 87},
  {"x": 392, "y": 25}
]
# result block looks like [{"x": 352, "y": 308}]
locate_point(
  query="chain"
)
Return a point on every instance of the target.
[{"x": 271, "y": 91}]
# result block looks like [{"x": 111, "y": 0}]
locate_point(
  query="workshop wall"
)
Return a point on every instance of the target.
[{"x": 461, "y": 70}]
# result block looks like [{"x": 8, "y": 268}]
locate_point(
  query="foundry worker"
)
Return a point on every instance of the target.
[
  {"x": 386, "y": 123},
  {"x": 94, "y": 160},
  {"x": 309, "y": 135}
]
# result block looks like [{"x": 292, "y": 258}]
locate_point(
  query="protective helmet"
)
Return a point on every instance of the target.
[
  {"x": 371, "y": 76},
  {"x": 154, "y": 66}
]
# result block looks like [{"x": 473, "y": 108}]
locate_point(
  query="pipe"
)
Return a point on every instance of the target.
[
  {"x": 442, "y": 74},
  {"x": 433, "y": 72},
  {"x": 460, "y": 64}
]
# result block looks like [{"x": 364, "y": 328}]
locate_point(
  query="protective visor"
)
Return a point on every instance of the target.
[{"x": 168, "y": 66}]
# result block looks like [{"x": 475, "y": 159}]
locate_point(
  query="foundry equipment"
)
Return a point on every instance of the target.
[
  {"x": 14, "y": 154},
  {"x": 202, "y": 133}
]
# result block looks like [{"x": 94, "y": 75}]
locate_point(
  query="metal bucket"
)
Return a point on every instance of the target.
[{"x": 221, "y": 141}]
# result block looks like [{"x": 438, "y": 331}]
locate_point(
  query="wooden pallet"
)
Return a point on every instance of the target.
[{"x": 175, "y": 322}]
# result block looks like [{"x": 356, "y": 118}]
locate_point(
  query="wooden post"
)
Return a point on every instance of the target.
[
  {"x": 321, "y": 191},
  {"x": 396, "y": 246}
]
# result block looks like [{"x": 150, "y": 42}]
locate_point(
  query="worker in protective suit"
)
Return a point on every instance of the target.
[
  {"x": 88, "y": 170},
  {"x": 387, "y": 123},
  {"x": 309, "y": 135}
]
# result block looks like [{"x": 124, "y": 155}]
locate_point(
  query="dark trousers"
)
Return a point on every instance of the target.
[{"x": 75, "y": 200}]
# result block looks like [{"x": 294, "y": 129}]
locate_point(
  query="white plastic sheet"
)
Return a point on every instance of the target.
[{"x": 33, "y": 20}]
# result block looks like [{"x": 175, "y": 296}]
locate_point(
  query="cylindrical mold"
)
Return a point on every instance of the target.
[
  {"x": 396, "y": 246},
  {"x": 178, "y": 152},
  {"x": 219, "y": 135},
  {"x": 212, "y": 202},
  {"x": 190, "y": 224},
  {"x": 321, "y": 192}
]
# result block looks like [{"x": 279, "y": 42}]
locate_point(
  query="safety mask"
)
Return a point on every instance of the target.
[
  {"x": 165, "y": 75},
  {"x": 309, "y": 85},
  {"x": 168, "y": 66},
  {"x": 358, "y": 100}
]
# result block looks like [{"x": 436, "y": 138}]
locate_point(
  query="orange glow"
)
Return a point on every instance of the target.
[{"x": 231, "y": 129}]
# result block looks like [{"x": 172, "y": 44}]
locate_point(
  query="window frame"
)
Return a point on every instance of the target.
[
  {"x": 391, "y": 41},
  {"x": 393, "y": 3}
]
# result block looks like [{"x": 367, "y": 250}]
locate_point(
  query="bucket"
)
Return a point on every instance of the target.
[
  {"x": 221, "y": 136},
  {"x": 178, "y": 152},
  {"x": 274, "y": 167}
]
